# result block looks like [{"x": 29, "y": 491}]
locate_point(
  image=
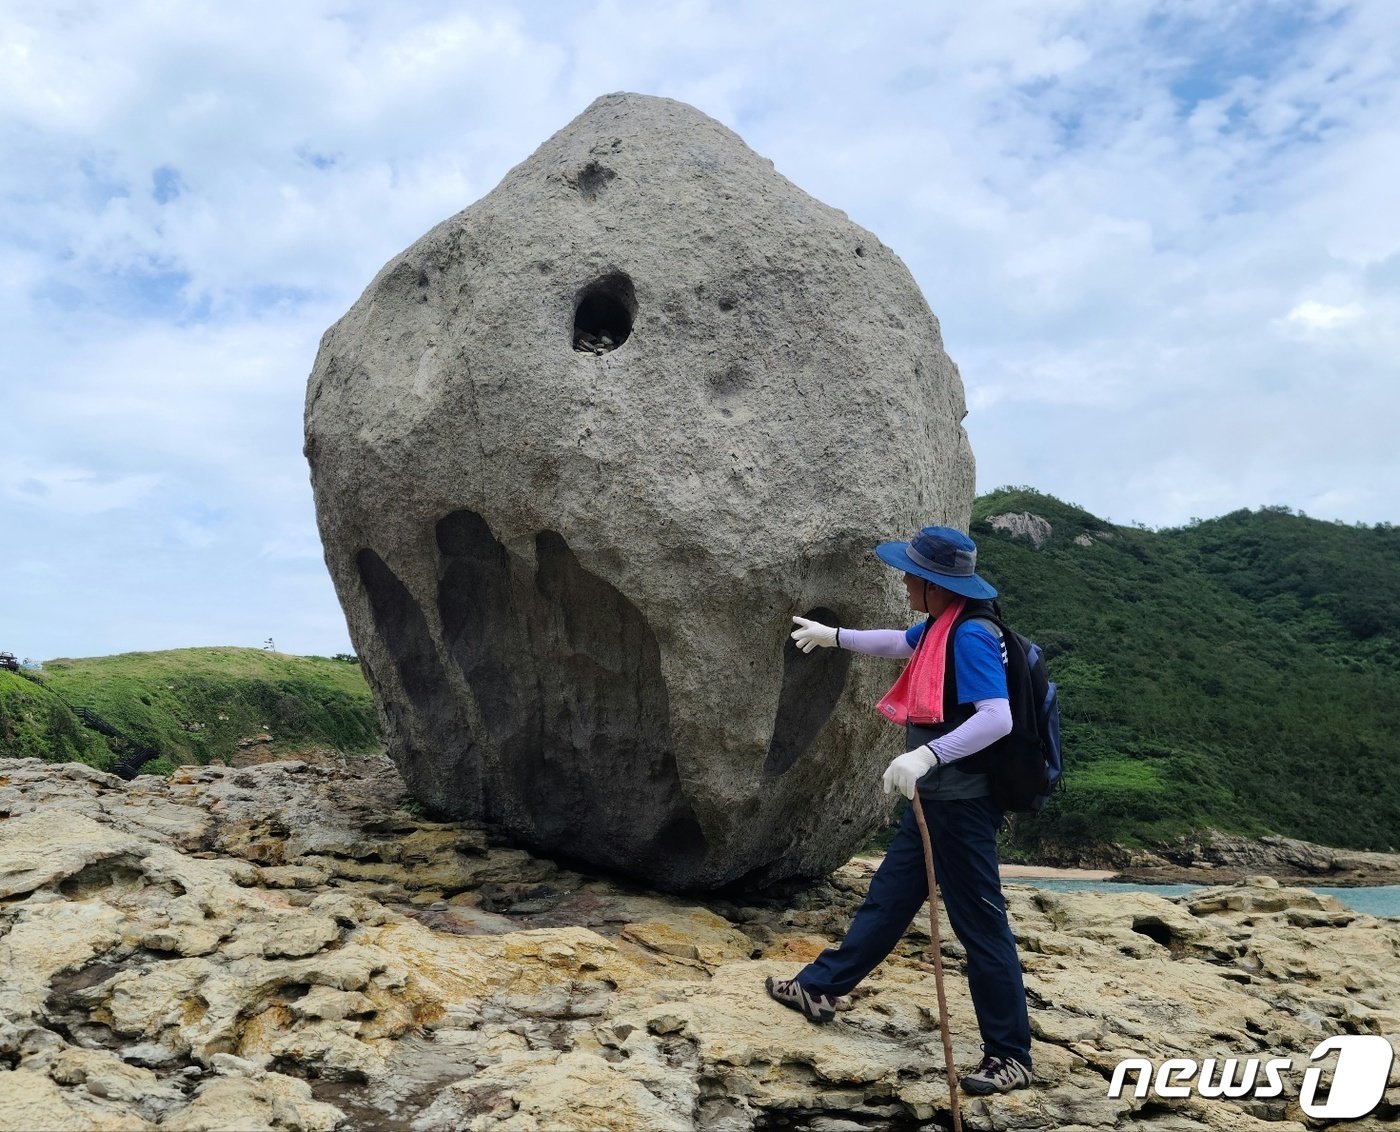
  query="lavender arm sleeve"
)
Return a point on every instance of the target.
[
  {"x": 988, "y": 723},
  {"x": 876, "y": 642}
]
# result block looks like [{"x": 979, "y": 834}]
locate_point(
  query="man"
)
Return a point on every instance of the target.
[{"x": 950, "y": 715}]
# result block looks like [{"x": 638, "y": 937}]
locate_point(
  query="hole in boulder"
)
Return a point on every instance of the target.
[
  {"x": 729, "y": 382},
  {"x": 591, "y": 180},
  {"x": 604, "y": 314}
]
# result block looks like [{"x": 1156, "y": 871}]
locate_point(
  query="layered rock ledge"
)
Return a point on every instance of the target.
[{"x": 286, "y": 946}]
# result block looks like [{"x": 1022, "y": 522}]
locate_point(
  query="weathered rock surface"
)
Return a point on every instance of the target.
[
  {"x": 569, "y": 566},
  {"x": 1023, "y": 524},
  {"x": 158, "y": 970}
]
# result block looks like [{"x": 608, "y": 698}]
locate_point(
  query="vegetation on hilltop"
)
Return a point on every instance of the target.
[
  {"x": 194, "y": 705},
  {"x": 36, "y": 724},
  {"x": 1240, "y": 673}
]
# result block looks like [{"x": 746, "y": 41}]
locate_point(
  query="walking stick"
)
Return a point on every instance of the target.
[{"x": 938, "y": 962}]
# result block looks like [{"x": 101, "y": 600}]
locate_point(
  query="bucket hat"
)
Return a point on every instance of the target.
[{"x": 943, "y": 556}]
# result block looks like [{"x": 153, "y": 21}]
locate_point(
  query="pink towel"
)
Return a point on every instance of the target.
[{"x": 917, "y": 696}]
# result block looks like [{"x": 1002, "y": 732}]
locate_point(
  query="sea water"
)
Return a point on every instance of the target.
[{"x": 1382, "y": 900}]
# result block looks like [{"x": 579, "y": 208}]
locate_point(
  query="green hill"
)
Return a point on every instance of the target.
[
  {"x": 35, "y": 723},
  {"x": 1241, "y": 673},
  {"x": 192, "y": 705}
]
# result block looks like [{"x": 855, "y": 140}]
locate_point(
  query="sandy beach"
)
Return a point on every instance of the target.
[{"x": 1023, "y": 872}]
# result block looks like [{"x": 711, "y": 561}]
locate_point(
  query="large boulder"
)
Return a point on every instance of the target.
[{"x": 581, "y": 452}]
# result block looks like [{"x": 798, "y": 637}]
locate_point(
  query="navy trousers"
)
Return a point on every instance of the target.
[{"x": 963, "y": 833}]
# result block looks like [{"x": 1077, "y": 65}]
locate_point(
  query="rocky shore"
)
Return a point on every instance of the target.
[
  {"x": 287, "y": 946},
  {"x": 1227, "y": 858}
]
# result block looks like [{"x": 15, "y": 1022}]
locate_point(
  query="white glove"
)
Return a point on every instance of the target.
[
  {"x": 810, "y": 634},
  {"x": 904, "y": 772}
]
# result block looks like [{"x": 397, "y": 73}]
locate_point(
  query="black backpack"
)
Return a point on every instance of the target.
[{"x": 1025, "y": 766}]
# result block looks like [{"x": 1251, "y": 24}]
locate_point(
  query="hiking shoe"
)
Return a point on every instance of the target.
[
  {"x": 791, "y": 993},
  {"x": 995, "y": 1075}
]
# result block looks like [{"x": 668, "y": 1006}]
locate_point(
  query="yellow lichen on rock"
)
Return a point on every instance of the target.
[
  {"x": 521, "y": 966},
  {"x": 691, "y": 933}
]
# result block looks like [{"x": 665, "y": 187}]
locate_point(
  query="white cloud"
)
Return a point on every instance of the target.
[{"x": 1313, "y": 315}]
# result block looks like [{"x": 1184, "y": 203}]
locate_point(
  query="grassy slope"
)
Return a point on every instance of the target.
[
  {"x": 35, "y": 723},
  {"x": 196, "y": 704},
  {"x": 1242, "y": 672}
]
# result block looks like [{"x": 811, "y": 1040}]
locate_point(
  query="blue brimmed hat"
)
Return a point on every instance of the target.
[{"x": 940, "y": 555}]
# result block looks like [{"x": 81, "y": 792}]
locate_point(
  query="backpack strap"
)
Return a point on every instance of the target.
[
  {"x": 1019, "y": 690},
  {"x": 975, "y": 611}
]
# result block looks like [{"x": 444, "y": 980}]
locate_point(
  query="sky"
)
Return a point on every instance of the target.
[{"x": 1162, "y": 238}]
